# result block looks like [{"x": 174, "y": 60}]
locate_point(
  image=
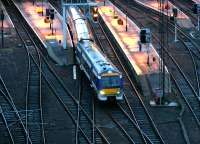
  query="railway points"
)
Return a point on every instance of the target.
[
  {"x": 135, "y": 15},
  {"x": 182, "y": 20},
  {"x": 71, "y": 112},
  {"x": 50, "y": 36}
]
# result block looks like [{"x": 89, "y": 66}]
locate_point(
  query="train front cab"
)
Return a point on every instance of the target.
[{"x": 110, "y": 86}]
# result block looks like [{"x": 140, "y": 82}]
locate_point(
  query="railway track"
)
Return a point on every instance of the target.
[
  {"x": 69, "y": 103},
  {"x": 5, "y": 130},
  {"x": 87, "y": 102},
  {"x": 34, "y": 113},
  {"x": 11, "y": 118},
  {"x": 183, "y": 84},
  {"x": 133, "y": 110},
  {"x": 148, "y": 134},
  {"x": 185, "y": 7},
  {"x": 185, "y": 39}
]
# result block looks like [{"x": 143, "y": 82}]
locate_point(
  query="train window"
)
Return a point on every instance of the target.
[{"x": 110, "y": 81}]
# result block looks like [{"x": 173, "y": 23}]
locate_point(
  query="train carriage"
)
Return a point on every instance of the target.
[{"x": 105, "y": 78}]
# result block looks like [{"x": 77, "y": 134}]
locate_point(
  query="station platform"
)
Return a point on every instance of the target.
[
  {"x": 196, "y": 1},
  {"x": 146, "y": 62},
  {"x": 182, "y": 19},
  {"x": 51, "y": 41}
]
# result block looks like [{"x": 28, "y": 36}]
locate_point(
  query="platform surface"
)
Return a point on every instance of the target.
[
  {"x": 196, "y": 1},
  {"x": 182, "y": 19},
  {"x": 128, "y": 41},
  {"x": 38, "y": 22},
  {"x": 53, "y": 42},
  {"x": 147, "y": 71}
]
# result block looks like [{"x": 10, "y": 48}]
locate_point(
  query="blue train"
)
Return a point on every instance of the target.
[{"x": 105, "y": 78}]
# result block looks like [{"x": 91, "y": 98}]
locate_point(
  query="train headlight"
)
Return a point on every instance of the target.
[
  {"x": 102, "y": 92},
  {"x": 118, "y": 92}
]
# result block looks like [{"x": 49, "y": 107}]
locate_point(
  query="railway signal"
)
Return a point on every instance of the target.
[
  {"x": 52, "y": 16},
  {"x": 126, "y": 20},
  {"x": 145, "y": 39},
  {"x": 42, "y": 8},
  {"x": 2, "y": 27},
  {"x": 47, "y": 17}
]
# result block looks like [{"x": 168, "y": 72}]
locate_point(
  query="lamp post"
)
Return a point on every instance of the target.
[
  {"x": 42, "y": 8},
  {"x": 126, "y": 20},
  {"x": 114, "y": 8},
  {"x": 2, "y": 27},
  {"x": 33, "y": 2}
]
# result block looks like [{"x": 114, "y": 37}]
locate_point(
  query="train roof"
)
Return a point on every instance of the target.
[
  {"x": 80, "y": 23},
  {"x": 98, "y": 60}
]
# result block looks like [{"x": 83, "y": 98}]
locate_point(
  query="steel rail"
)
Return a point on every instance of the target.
[
  {"x": 180, "y": 70},
  {"x": 132, "y": 85},
  {"x": 186, "y": 37},
  {"x": 95, "y": 128},
  {"x": 156, "y": 14},
  {"x": 7, "y": 104},
  {"x": 6, "y": 124},
  {"x": 81, "y": 118},
  {"x": 186, "y": 11},
  {"x": 25, "y": 38},
  {"x": 135, "y": 124},
  {"x": 50, "y": 69},
  {"x": 191, "y": 103}
]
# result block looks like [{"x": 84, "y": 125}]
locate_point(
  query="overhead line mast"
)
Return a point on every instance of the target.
[{"x": 163, "y": 27}]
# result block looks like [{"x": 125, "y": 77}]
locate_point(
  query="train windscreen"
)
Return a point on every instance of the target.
[{"x": 110, "y": 81}]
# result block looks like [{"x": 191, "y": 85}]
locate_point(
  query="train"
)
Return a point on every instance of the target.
[{"x": 103, "y": 75}]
